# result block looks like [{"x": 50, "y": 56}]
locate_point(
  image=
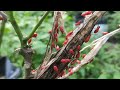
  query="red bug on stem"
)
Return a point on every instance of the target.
[
  {"x": 86, "y": 13},
  {"x": 97, "y": 29},
  {"x": 34, "y": 35},
  {"x": 104, "y": 33},
  {"x": 56, "y": 25},
  {"x": 65, "y": 42},
  {"x": 83, "y": 55},
  {"x": 78, "y": 23},
  {"x": 1, "y": 18},
  {"x": 87, "y": 39},
  {"x": 78, "y": 47},
  {"x": 78, "y": 61},
  {"x": 55, "y": 68},
  {"x": 29, "y": 41},
  {"x": 53, "y": 44},
  {"x": 78, "y": 55},
  {"x": 50, "y": 32},
  {"x": 71, "y": 51},
  {"x": 61, "y": 29},
  {"x": 57, "y": 48}
]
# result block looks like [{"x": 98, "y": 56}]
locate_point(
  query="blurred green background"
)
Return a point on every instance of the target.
[{"x": 106, "y": 64}]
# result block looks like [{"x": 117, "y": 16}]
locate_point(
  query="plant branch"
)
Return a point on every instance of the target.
[
  {"x": 37, "y": 25},
  {"x": 87, "y": 59},
  {"x": 2, "y": 31},
  {"x": 15, "y": 25},
  {"x": 79, "y": 34}
]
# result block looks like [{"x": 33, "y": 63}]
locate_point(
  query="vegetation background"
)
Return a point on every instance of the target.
[{"x": 106, "y": 64}]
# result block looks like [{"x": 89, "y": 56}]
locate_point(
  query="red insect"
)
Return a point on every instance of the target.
[
  {"x": 29, "y": 41},
  {"x": 104, "y": 33},
  {"x": 78, "y": 61},
  {"x": 1, "y": 18},
  {"x": 50, "y": 32},
  {"x": 97, "y": 29},
  {"x": 55, "y": 68},
  {"x": 73, "y": 62},
  {"x": 86, "y": 13},
  {"x": 33, "y": 71},
  {"x": 78, "y": 55},
  {"x": 65, "y": 61},
  {"x": 78, "y": 23},
  {"x": 35, "y": 35},
  {"x": 78, "y": 47},
  {"x": 87, "y": 39},
  {"x": 55, "y": 35},
  {"x": 61, "y": 29},
  {"x": 56, "y": 25},
  {"x": 57, "y": 48},
  {"x": 71, "y": 51},
  {"x": 83, "y": 55},
  {"x": 65, "y": 42},
  {"x": 56, "y": 39},
  {"x": 70, "y": 69},
  {"x": 62, "y": 73},
  {"x": 69, "y": 34},
  {"x": 71, "y": 72},
  {"x": 53, "y": 44}
]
